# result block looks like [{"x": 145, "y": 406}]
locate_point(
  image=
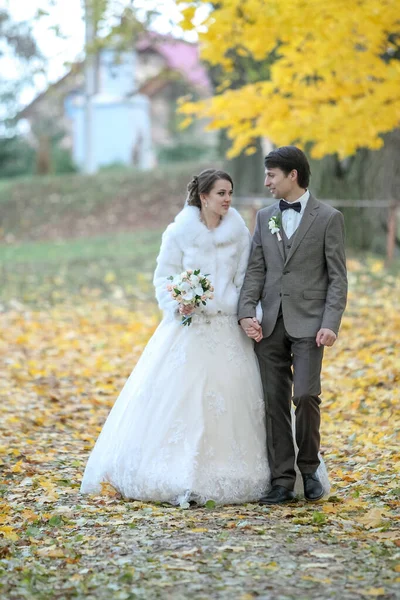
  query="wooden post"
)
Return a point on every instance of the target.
[{"x": 391, "y": 232}]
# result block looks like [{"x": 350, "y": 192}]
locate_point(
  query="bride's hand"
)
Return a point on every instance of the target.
[
  {"x": 252, "y": 328},
  {"x": 186, "y": 310}
]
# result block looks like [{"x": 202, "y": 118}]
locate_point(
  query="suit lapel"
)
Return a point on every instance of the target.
[{"x": 307, "y": 220}]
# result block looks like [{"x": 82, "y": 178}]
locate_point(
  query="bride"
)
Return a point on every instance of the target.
[{"x": 189, "y": 424}]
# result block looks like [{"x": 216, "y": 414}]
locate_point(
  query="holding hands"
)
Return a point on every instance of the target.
[{"x": 252, "y": 328}]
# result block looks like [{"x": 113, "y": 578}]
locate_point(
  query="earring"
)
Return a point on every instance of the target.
[{"x": 206, "y": 204}]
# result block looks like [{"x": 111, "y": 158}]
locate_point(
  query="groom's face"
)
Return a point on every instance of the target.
[{"x": 278, "y": 183}]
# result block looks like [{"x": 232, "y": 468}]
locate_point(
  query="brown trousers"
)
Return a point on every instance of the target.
[{"x": 286, "y": 362}]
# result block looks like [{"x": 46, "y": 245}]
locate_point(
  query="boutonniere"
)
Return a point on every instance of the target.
[{"x": 274, "y": 225}]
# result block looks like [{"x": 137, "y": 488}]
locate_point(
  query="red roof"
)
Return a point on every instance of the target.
[{"x": 179, "y": 55}]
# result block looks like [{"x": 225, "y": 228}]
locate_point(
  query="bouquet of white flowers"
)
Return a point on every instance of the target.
[{"x": 190, "y": 288}]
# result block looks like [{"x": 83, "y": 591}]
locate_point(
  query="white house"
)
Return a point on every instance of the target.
[{"x": 134, "y": 104}]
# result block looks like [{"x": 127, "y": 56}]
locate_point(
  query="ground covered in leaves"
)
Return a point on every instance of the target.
[{"x": 61, "y": 369}]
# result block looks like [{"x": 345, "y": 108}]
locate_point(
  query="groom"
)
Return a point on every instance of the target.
[{"x": 297, "y": 269}]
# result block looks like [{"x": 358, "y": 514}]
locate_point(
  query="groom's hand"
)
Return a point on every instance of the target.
[
  {"x": 325, "y": 337},
  {"x": 252, "y": 328}
]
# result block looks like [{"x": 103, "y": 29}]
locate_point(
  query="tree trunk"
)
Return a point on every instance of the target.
[
  {"x": 368, "y": 175},
  {"x": 43, "y": 156},
  {"x": 247, "y": 171}
]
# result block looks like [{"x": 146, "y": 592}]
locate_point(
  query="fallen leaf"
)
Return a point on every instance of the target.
[{"x": 8, "y": 533}]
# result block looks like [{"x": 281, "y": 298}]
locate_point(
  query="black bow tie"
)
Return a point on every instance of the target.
[{"x": 283, "y": 205}]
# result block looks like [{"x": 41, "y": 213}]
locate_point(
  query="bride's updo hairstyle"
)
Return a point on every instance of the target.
[{"x": 203, "y": 184}]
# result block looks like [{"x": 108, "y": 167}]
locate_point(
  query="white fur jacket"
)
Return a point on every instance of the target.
[{"x": 222, "y": 253}]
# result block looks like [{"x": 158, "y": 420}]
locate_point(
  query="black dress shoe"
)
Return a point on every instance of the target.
[
  {"x": 277, "y": 495},
  {"x": 313, "y": 489}
]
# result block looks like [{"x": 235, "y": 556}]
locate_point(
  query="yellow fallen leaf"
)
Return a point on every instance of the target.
[
  {"x": 373, "y": 518},
  {"x": 373, "y": 592},
  {"x": 330, "y": 509},
  {"x": 377, "y": 266},
  {"x": 386, "y": 535},
  {"x": 109, "y": 277},
  {"x": 17, "y": 468},
  {"x": 29, "y": 515},
  {"x": 5, "y": 513},
  {"x": 199, "y": 530},
  {"x": 316, "y": 579},
  {"x": 108, "y": 490},
  {"x": 50, "y": 552},
  {"x": 9, "y": 533},
  {"x": 49, "y": 498}
]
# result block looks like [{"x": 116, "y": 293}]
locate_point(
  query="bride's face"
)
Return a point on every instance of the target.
[{"x": 219, "y": 198}]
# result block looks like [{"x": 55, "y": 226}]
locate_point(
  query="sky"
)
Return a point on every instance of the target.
[{"x": 68, "y": 15}]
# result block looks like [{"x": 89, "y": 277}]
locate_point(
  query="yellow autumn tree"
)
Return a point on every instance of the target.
[{"x": 334, "y": 76}]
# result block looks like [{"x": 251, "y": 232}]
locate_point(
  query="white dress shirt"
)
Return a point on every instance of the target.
[{"x": 291, "y": 218}]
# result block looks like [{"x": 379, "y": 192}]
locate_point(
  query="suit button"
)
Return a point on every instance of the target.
[
  {"x": 286, "y": 272},
  {"x": 280, "y": 294}
]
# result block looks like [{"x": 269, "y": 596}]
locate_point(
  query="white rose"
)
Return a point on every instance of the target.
[
  {"x": 198, "y": 291},
  {"x": 195, "y": 280},
  {"x": 176, "y": 280},
  {"x": 186, "y": 291},
  {"x": 273, "y": 226}
]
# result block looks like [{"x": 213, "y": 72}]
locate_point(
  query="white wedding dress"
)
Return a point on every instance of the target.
[{"x": 189, "y": 423}]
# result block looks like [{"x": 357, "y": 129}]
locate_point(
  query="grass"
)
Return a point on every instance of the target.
[
  {"x": 134, "y": 245},
  {"x": 70, "y": 206},
  {"x": 66, "y": 237},
  {"x": 118, "y": 266}
]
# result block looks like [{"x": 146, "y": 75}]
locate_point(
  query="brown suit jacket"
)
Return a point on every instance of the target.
[{"x": 311, "y": 283}]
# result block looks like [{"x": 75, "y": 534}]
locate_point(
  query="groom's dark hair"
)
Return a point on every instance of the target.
[{"x": 288, "y": 158}]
